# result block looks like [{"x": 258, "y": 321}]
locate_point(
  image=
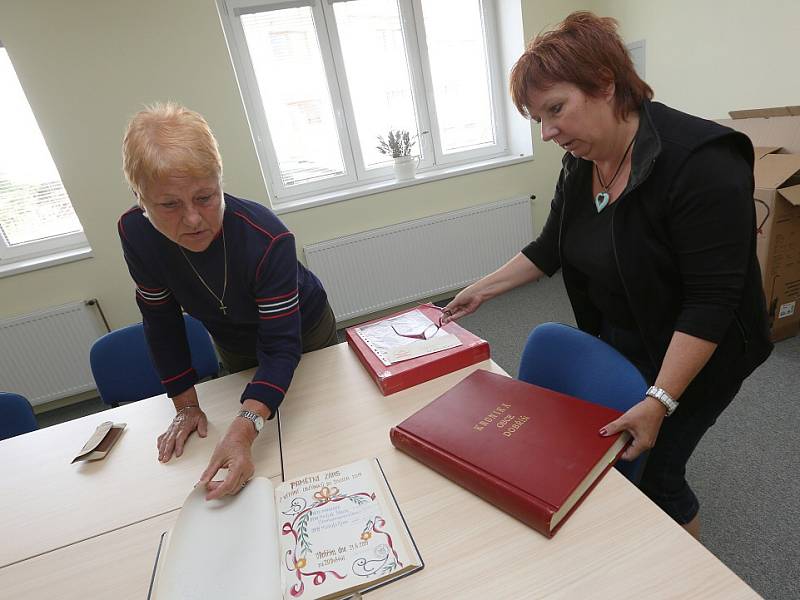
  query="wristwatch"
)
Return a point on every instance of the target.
[
  {"x": 255, "y": 418},
  {"x": 663, "y": 397}
]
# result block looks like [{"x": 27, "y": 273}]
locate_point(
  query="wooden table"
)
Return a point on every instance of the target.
[
  {"x": 48, "y": 503},
  {"x": 117, "y": 565},
  {"x": 617, "y": 544},
  {"x": 335, "y": 414}
]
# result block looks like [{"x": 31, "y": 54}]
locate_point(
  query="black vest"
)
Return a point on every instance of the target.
[{"x": 647, "y": 265}]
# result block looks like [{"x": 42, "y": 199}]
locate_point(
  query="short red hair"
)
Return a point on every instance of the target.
[{"x": 586, "y": 51}]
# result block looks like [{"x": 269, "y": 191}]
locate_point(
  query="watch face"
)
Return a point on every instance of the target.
[{"x": 259, "y": 423}]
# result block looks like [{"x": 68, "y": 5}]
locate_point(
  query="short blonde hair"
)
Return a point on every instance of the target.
[{"x": 168, "y": 139}]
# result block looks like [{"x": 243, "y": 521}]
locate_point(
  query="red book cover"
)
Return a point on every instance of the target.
[
  {"x": 530, "y": 451},
  {"x": 408, "y": 373}
]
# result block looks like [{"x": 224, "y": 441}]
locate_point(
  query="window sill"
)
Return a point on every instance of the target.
[
  {"x": 24, "y": 265},
  {"x": 377, "y": 187}
]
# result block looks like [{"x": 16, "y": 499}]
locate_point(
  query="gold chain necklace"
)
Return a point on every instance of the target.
[{"x": 220, "y": 299}]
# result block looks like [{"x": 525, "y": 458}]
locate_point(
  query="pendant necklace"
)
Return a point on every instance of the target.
[
  {"x": 602, "y": 198},
  {"x": 223, "y": 309}
]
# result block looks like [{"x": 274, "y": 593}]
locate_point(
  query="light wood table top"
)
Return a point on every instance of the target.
[
  {"x": 335, "y": 414},
  {"x": 117, "y": 565},
  {"x": 617, "y": 544},
  {"x": 47, "y": 503}
]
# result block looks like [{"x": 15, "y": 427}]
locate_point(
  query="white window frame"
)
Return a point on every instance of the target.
[
  {"x": 432, "y": 159},
  {"x": 42, "y": 252}
]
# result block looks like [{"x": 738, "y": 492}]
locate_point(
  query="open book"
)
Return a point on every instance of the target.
[{"x": 325, "y": 535}]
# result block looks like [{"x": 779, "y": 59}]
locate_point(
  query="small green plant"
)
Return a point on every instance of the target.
[{"x": 398, "y": 143}]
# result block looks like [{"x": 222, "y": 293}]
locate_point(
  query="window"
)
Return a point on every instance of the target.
[
  {"x": 36, "y": 216},
  {"x": 322, "y": 79}
]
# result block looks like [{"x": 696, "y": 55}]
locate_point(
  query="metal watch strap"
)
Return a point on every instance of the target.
[
  {"x": 662, "y": 396},
  {"x": 252, "y": 417}
]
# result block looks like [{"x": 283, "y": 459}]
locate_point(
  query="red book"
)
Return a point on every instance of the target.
[
  {"x": 407, "y": 373},
  {"x": 530, "y": 451}
]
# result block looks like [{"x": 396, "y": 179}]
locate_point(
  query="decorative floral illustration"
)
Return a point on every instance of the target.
[
  {"x": 326, "y": 494},
  {"x": 301, "y": 511},
  {"x": 386, "y": 559}
]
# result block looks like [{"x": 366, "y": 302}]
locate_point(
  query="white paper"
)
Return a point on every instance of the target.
[
  {"x": 405, "y": 337},
  {"x": 223, "y": 548},
  {"x": 340, "y": 529}
]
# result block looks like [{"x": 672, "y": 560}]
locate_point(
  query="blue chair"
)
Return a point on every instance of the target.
[
  {"x": 16, "y": 416},
  {"x": 570, "y": 361},
  {"x": 124, "y": 372}
]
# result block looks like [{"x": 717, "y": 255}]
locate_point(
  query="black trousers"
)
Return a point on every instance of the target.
[{"x": 664, "y": 475}]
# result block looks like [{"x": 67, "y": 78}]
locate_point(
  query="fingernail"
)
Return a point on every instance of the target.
[{"x": 603, "y": 431}]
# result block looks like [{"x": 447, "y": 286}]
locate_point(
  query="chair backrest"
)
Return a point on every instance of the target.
[
  {"x": 16, "y": 415},
  {"x": 568, "y": 360},
  {"x": 124, "y": 372}
]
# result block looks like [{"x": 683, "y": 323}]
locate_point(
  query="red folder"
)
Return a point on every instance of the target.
[
  {"x": 408, "y": 373},
  {"x": 530, "y": 451}
]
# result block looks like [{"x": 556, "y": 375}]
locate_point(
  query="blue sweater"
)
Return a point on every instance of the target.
[{"x": 270, "y": 296}]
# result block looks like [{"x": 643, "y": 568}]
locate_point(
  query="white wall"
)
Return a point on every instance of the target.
[
  {"x": 708, "y": 57},
  {"x": 86, "y": 66}
]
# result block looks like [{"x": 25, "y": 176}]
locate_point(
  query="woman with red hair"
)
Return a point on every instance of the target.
[{"x": 653, "y": 227}]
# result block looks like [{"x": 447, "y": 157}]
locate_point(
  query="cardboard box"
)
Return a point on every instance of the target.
[{"x": 775, "y": 134}]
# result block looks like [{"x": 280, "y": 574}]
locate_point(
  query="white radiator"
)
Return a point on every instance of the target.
[
  {"x": 45, "y": 355},
  {"x": 394, "y": 265}
]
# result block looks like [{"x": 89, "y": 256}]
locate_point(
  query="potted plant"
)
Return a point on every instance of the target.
[{"x": 398, "y": 144}]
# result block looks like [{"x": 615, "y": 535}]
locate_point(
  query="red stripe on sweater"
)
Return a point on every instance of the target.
[
  {"x": 268, "y": 250},
  {"x": 268, "y": 384},
  {"x": 189, "y": 370},
  {"x": 292, "y": 293},
  {"x": 151, "y": 303},
  {"x": 249, "y": 222},
  {"x": 286, "y": 314},
  {"x": 126, "y": 213}
]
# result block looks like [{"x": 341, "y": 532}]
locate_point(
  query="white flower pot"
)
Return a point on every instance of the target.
[{"x": 405, "y": 167}]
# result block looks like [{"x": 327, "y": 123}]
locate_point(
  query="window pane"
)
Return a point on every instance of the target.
[
  {"x": 457, "y": 54},
  {"x": 291, "y": 78},
  {"x": 377, "y": 72},
  {"x": 33, "y": 202}
]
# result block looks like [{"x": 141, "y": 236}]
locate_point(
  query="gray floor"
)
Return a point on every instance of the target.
[{"x": 744, "y": 470}]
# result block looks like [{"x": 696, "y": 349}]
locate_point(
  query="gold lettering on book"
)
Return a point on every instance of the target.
[
  {"x": 496, "y": 414},
  {"x": 518, "y": 422}
]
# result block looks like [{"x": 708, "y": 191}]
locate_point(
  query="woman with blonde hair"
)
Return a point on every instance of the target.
[{"x": 229, "y": 262}]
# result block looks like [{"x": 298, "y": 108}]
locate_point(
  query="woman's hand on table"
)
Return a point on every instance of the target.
[
  {"x": 232, "y": 453},
  {"x": 187, "y": 420},
  {"x": 643, "y": 422}
]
